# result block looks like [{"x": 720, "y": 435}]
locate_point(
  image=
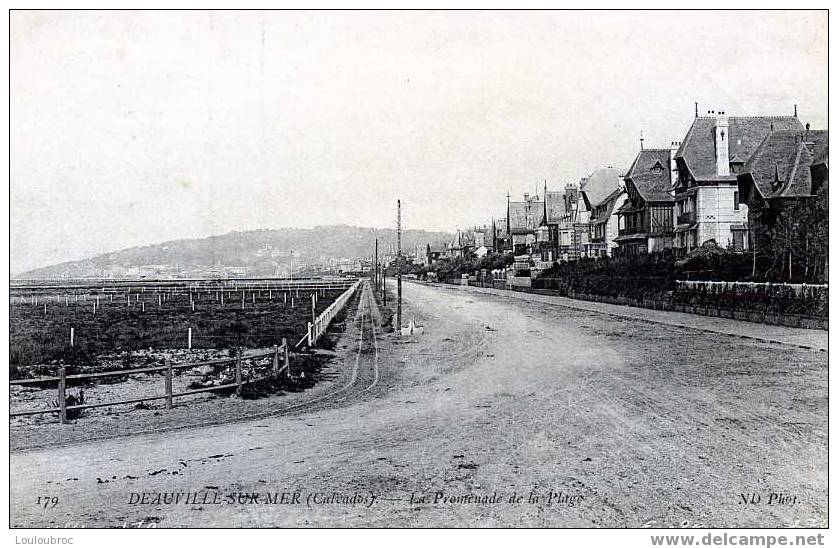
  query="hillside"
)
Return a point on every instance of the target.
[{"x": 252, "y": 253}]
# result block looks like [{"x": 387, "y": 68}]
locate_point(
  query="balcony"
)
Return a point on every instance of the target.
[
  {"x": 630, "y": 230},
  {"x": 687, "y": 218}
]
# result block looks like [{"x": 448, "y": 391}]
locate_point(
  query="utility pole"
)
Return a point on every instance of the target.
[
  {"x": 375, "y": 267},
  {"x": 399, "y": 262},
  {"x": 292, "y": 266}
]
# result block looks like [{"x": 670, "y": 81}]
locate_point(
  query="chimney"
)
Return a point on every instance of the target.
[
  {"x": 810, "y": 145},
  {"x": 526, "y": 196},
  {"x": 722, "y": 149},
  {"x": 673, "y": 165}
]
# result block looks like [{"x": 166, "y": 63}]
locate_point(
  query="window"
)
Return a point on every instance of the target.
[
  {"x": 736, "y": 200},
  {"x": 738, "y": 240}
]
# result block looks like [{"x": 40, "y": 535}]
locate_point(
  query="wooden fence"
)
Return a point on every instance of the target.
[
  {"x": 321, "y": 323},
  {"x": 279, "y": 353},
  {"x": 315, "y": 330},
  {"x": 40, "y": 294}
]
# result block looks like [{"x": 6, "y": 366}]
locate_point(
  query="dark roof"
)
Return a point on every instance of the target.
[
  {"x": 780, "y": 164},
  {"x": 698, "y": 149},
  {"x": 462, "y": 239},
  {"x": 650, "y": 174},
  {"x": 600, "y": 185},
  {"x": 558, "y": 207},
  {"x": 524, "y": 217}
]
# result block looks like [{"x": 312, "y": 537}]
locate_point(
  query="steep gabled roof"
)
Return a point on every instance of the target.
[
  {"x": 600, "y": 185},
  {"x": 557, "y": 205},
  {"x": 650, "y": 174},
  {"x": 780, "y": 164},
  {"x": 698, "y": 149},
  {"x": 525, "y": 216},
  {"x": 610, "y": 202}
]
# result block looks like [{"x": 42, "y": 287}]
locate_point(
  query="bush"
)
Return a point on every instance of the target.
[{"x": 654, "y": 277}]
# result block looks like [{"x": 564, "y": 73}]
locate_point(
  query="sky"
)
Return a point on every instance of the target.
[{"x": 133, "y": 128}]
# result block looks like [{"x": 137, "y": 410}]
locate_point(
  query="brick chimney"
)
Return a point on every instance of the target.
[
  {"x": 673, "y": 165},
  {"x": 722, "y": 148}
]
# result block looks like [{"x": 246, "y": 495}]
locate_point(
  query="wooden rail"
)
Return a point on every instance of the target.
[
  {"x": 196, "y": 284},
  {"x": 279, "y": 353},
  {"x": 321, "y": 323}
]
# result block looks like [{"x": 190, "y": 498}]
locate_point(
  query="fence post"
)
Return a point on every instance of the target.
[
  {"x": 238, "y": 372},
  {"x": 313, "y": 308},
  {"x": 62, "y": 395},
  {"x": 189, "y": 338},
  {"x": 285, "y": 352},
  {"x": 168, "y": 363},
  {"x": 310, "y": 341},
  {"x": 72, "y": 336},
  {"x": 276, "y": 361}
]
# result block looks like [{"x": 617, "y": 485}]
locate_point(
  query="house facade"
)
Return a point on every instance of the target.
[
  {"x": 603, "y": 193},
  {"x": 711, "y": 155},
  {"x": 788, "y": 167},
  {"x": 563, "y": 240},
  {"x": 522, "y": 222},
  {"x": 646, "y": 219}
]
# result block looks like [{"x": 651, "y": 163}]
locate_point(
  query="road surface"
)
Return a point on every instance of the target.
[{"x": 505, "y": 412}]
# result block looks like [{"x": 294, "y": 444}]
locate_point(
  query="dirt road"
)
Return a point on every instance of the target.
[{"x": 503, "y": 413}]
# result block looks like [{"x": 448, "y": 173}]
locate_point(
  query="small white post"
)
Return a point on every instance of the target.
[
  {"x": 45, "y": 310},
  {"x": 189, "y": 339},
  {"x": 284, "y": 298},
  {"x": 193, "y": 306},
  {"x": 222, "y": 298},
  {"x": 242, "y": 300},
  {"x": 254, "y": 297},
  {"x": 72, "y": 336},
  {"x": 143, "y": 306},
  {"x": 292, "y": 302}
]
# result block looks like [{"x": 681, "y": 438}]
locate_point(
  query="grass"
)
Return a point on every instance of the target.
[{"x": 39, "y": 342}]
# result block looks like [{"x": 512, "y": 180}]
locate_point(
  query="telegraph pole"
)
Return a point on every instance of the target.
[
  {"x": 292, "y": 266},
  {"x": 399, "y": 262},
  {"x": 375, "y": 267}
]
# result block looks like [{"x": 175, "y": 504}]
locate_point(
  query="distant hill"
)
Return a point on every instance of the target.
[{"x": 252, "y": 253}]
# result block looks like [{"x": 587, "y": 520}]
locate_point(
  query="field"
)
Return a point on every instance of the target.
[{"x": 122, "y": 319}]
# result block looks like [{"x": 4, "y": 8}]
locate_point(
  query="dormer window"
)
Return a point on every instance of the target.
[
  {"x": 736, "y": 164},
  {"x": 657, "y": 166},
  {"x": 779, "y": 175}
]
